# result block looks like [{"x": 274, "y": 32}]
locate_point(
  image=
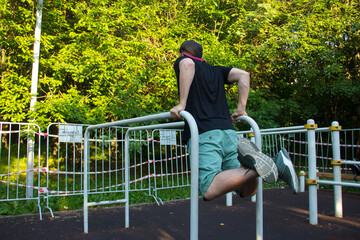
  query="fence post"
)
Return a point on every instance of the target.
[
  {"x": 86, "y": 156},
  {"x": 312, "y": 181},
  {"x": 336, "y": 162},
  {"x": 30, "y": 164}
]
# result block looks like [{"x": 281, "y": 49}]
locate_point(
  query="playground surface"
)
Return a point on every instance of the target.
[{"x": 286, "y": 216}]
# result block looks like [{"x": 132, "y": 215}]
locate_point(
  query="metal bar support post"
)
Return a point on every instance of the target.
[
  {"x": 335, "y": 138},
  {"x": 259, "y": 194},
  {"x": 313, "y": 211}
]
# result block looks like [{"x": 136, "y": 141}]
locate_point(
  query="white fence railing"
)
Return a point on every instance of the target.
[
  {"x": 36, "y": 165},
  {"x": 295, "y": 140},
  {"x": 314, "y": 149}
]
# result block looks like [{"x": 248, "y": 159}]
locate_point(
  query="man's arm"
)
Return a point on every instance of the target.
[
  {"x": 186, "y": 76},
  {"x": 243, "y": 79}
]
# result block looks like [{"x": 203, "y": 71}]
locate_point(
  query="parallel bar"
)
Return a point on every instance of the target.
[
  {"x": 194, "y": 208},
  {"x": 155, "y": 126},
  {"x": 149, "y": 118},
  {"x": 194, "y": 164},
  {"x": 259, "y": 193}
]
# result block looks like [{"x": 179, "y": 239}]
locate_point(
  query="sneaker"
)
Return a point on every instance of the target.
[
  {"x": 286, "y": 170},
  {"x": 251, "y": 157}
]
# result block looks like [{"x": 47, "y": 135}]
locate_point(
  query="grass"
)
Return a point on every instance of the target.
[{"x": 75, "y": 202}]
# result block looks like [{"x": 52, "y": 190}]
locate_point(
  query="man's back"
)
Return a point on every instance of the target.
[{"x": 207, "y": 98}]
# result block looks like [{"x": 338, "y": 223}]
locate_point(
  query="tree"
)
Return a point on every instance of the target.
[
  {"x": 109, "y": 60},
  {"x": 304, "y": 57}
]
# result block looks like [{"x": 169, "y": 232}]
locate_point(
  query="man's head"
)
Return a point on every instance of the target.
[{"x": 191, "y": 47}]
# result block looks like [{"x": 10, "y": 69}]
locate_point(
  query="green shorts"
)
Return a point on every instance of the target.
[{"x": 217, "y": 152}]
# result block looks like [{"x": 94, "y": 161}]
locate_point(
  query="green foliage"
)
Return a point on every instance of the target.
[
  {"x": 137, "y": 147},
  {"x": 17, "y": 207},
  {"x": 300, "y": 58},
  {"x": 109, "y": 60}
]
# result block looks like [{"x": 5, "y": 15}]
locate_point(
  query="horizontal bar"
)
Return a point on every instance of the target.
[
  {"x": 296, "y": 130},
  {"x": 350, "y": 162},
  {"x": 282, "y": 129},
  {"x": 283, "y": 132},
  {"x": 106, "y": 202},
  {"x": 155, "y": 126},
  {"x": 326, "y": 182},
  {"x": 149, "y": 118}
]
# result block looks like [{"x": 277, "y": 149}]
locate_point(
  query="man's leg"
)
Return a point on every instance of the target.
[{"x": 231, "y": 180}]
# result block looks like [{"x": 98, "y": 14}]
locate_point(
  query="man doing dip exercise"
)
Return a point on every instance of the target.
[{"x": 225, "y": 163}]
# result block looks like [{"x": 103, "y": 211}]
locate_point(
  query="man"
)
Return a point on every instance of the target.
[{"x": 202, "y": 93}]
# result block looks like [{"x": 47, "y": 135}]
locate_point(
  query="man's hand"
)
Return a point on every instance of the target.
[
  {"x": 237, "y": 114},
  {"x": 174, "y": 112}
]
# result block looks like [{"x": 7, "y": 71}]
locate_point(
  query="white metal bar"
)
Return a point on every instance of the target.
[
  {"x": 194, "y": 207},
  {"x": 302, "y": 181},
  {"x": 229, "y": 199},
  {"x": 194, "y": 164},
  {"x": 253, "y": 198},
  {"x": 86, "y": 155},
  {"x": 34, "y": 86},
  {"x": 283, "y": 129},
  {"x": 347, "y": 184},
  {"x": 350, "y": 162},
  {"x": 106, "y": 202},
  {"x": 335, "y": 139},
  {"x": 312, "y": 174},
  {"x": 259, "y": 194}
]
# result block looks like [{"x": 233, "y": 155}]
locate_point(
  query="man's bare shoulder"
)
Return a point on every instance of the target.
[{"x": 186, "y": 62}]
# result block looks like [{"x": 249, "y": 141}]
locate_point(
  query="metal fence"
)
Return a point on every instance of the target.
[
  {"x": 21, "y": 165},
  {"x": 36, "y": 165},
  {"x": 171, "y": 163},
  {"x": 294, "y": 140},
  {"x": 154, "y": 163}
]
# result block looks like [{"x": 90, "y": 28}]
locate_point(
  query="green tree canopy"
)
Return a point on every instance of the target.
[{"x": 105, "y": 60}]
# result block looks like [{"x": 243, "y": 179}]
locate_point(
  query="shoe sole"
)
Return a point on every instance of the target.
[
  {"x": 289, "y": 170},
  {"x": 262, "y": 164}
]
